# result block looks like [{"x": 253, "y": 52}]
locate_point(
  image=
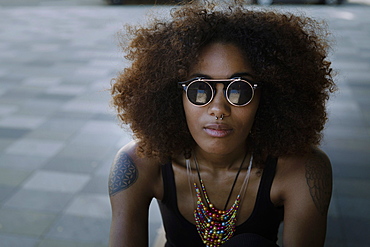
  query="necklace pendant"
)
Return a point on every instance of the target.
[{"x": 214, "y": 226}]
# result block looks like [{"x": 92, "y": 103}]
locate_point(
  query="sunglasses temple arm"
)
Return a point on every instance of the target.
[
  {"x": 256, "y": 85},
  {"x": 183, "y": 84}
]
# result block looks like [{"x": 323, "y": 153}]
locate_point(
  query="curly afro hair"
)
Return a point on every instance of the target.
[{"x": 288, "y": 53}]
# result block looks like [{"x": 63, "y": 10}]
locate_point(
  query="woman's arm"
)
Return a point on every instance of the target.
[
  {"x": 131, "y": 189},
  {"x": 307, "y": 194}
]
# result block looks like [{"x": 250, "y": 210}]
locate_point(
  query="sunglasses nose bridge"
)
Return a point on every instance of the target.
[{"x": 216, "y": 87}]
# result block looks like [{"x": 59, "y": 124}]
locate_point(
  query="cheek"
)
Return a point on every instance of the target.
[
  {"x": 246, "y": 120},
  {"x": 191, "y": 112},
  {"x": 246, "y": 116},
  {"x": 187, "y": 106},
  {"x": 253, "y": 106}
]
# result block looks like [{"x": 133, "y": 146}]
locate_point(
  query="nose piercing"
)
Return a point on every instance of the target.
[{"x": 221, "y": 117}]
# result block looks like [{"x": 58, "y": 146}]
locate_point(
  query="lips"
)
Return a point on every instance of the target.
[{"x": 218, "y": 130}]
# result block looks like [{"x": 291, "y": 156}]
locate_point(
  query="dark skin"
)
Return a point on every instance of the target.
[
  {"x": 305, "y": 212},
  {"x": 302, "y": 183}
]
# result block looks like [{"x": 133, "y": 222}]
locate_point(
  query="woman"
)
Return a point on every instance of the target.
[{"x": 227, "y": 108}]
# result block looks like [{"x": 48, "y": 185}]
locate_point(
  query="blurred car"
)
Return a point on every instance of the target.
[
  {"x": 115, "y": 2},
  {"x": 258, "y": 2},
  {"x": 269, "y": 2},
  {"x": 121, "y": 2}
]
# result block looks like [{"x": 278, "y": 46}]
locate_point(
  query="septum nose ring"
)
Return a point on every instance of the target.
[{"x": 221, "y": 117}]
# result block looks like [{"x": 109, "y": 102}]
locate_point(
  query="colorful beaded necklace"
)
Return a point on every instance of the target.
[{"x": 215, "y": 226}]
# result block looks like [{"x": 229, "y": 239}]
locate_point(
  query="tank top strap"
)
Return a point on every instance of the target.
[
  {"x": 168, "y": 184},
  {"x": 267, "y": 178}
]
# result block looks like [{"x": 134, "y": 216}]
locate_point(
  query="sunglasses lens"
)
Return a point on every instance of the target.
[
  {"x": 199, "y": 93},
  {"x": 239, "y": 93}
]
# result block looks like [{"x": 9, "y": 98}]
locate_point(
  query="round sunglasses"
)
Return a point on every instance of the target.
[{"x": 238, "y": 91}]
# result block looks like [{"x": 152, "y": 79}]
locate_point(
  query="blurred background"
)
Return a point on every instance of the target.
[{"x": 58, "y": 135}]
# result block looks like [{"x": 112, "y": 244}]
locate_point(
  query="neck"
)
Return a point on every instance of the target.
[{"x": 223, "y": 162}]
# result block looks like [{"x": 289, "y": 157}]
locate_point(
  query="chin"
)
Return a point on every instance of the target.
[{"x": 218, "y": 148}]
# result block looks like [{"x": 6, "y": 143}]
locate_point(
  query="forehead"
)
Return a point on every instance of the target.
[{"x": 219, "y": 60}]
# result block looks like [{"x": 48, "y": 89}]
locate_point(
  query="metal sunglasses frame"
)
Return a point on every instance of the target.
[{"x": 227, "y": 82}]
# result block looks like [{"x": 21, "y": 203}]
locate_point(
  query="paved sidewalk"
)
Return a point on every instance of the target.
[{"x": 58, "y": 135}]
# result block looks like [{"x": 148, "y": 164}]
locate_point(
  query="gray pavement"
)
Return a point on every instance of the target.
[{"x": 58, "y": 135}]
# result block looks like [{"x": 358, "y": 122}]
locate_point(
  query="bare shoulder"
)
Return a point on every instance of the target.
[
  {"x": 309, "y": 174},
  {"x": 133, "y": 182},
  {"x": 318, "y": 173},
  {"x": 129, "y": 169}
]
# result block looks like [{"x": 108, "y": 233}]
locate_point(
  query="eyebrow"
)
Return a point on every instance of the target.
[{"x": 242, "y": 74}]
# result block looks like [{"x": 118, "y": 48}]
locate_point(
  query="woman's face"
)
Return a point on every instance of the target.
[{"x": 216, "y": 136}]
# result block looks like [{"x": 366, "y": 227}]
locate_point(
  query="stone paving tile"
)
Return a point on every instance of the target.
[
  {"x": 30, "y": 223},
  {"x": 333, "y": 207},
  {"x": 97, "y": 184},
  {"x": 73, "y": 115},
  {"x": 12, "y": 132},
  {"x": 354, "y": 207},
  {"x": 5, "y": 192},
  {"x": 88, "y": 229},
  {"x": 351, "y": 145},
  {"x": 65, "y": 90},
  {"x": 56, "y": 181},
  {"x": 18, "y": 96},
  {"x": 90, "y": 205},
  {"x": 153, "y": 231},
  {"x": 16, "y": 240},
  {"x": 37, "y": 147},
  {"x": 12, "y": 177},
  {"x": 41, "y": 82},
  {"x": 44, "y": 134},
  {"x": 40, "y": 107},
  {"x": 63, "y": 125},
  {"x": 335, "y": 243},
  {"x": 344, "y": 156},
  {"x": 351, "y": 172},
  {"x": 81, "y": 151},
  {"x": 103, "y": 127},
  {"x": 357, "y": 245},
  {"x": 72, "y": 165},
  {"x": 335, "y": 234},
  {"x": 6, "y": 109},
  {"x": 22, "y": 121},
  {"x": 65, "y": 243},
  {"x": 97, "y": 138},
  {"x": 5, "y": 142},
  {"x": 104, "y": 169},
  {"x": 37, "y": 200},
  {"x": 356, "y": 231},
  {"x": 22, "y": 162},
  {"x": 84, "y": 106},
  {"x": 57, "y": 98},
  {"x": 353, "y": 187}
]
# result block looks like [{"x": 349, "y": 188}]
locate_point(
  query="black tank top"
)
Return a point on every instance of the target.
[{"x": 264, "y": 220}]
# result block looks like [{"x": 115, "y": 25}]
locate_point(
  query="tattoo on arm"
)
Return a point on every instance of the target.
[
  {"x": 319, "y": 179},
  {"x": 122, "y": 175}
]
